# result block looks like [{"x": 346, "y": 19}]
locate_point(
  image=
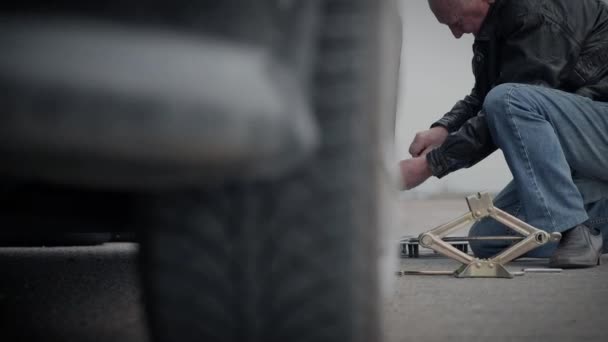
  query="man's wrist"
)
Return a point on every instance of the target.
[{"x": 427, "y": 169}]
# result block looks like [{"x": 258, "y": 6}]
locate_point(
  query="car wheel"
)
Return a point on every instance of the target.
[{"x": 289, "y": 259}]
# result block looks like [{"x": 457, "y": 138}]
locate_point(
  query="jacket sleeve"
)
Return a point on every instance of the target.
[
  {"x": 534, "y": 51},
  {"x": 460, "y": 113},
  {"x": 464, "y": 148}
]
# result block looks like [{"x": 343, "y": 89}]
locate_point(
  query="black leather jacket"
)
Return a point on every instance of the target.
[{"x": 519, "y": 42}]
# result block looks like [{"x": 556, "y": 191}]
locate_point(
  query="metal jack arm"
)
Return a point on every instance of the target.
[{"x": 480, "y": 206}]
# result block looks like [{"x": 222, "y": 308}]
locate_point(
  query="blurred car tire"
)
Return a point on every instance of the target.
[{"x": 289, "y": 259}]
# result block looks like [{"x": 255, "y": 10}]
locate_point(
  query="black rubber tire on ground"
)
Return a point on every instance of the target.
[{"x": 284, "y": 260}]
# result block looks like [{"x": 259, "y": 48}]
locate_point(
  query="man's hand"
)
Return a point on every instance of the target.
[
  {"x": 427, "y": 140},
  {"x": 414, "y": 172}
]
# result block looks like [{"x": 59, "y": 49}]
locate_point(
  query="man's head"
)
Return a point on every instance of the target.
[{"x": 461, "y": 16}]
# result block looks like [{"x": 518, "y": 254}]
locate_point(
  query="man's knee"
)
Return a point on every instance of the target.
[
  {"x": 497, "y": 104},
  {"x": 498, "y": 100}
]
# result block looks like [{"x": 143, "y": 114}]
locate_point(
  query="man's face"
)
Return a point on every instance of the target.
[{"x": 461, "y": 16}]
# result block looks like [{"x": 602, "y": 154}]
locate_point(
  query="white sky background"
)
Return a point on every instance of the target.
[{"x": 435, "y": 74}]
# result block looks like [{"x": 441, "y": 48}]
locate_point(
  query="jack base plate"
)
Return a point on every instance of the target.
[{"x": 482, "y": 269}]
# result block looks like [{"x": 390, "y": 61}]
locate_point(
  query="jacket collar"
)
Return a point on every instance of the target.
[{"x": 489, "y": 24}]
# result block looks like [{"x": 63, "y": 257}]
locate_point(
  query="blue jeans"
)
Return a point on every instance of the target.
[{"x": 556, "y": 146}]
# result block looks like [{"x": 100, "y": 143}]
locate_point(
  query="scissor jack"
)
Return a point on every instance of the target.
[{"x": 481, "y": 206}]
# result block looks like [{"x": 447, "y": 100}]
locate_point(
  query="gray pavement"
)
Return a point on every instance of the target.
[
  {"x": 569, "y": 306},
  {"x": 92, "y": 294}
]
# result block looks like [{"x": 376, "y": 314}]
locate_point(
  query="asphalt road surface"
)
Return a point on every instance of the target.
[
  {"x": 92, "y": 294},
  {"x": 567, "y": 306}
]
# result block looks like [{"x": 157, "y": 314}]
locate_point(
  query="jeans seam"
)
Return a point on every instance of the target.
[
  {"x": 597, "y": 221},
  {"x": 527, "y": 159}
]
